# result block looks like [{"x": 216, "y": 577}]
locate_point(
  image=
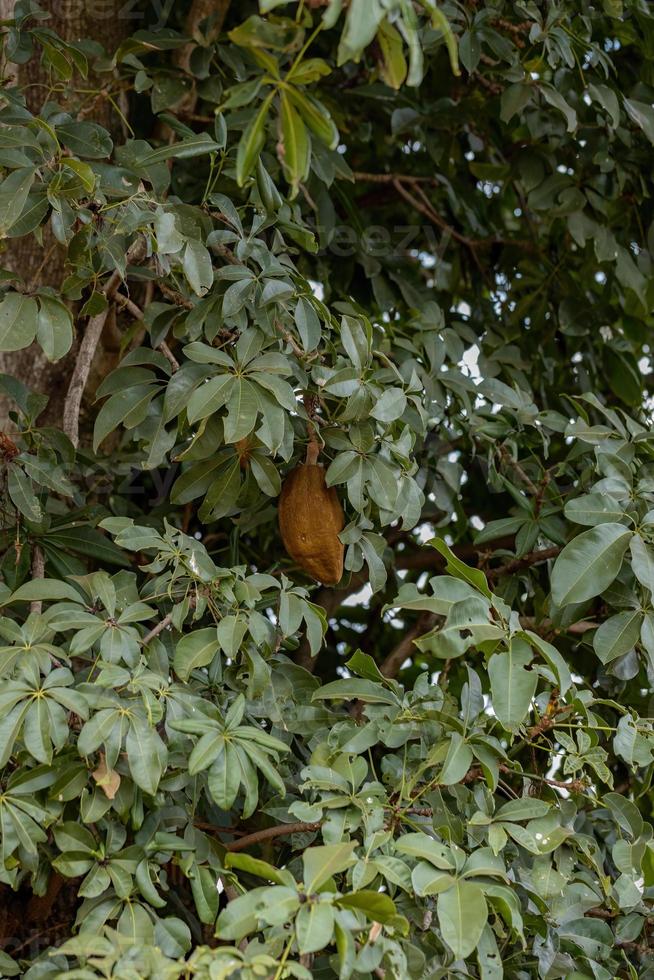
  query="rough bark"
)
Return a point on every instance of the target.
[
  {"x": 44, "y": 264},
  {"x": 199, "y": 12}
]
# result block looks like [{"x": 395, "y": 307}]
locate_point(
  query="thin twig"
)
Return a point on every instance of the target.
[
  {"x": 168, "y": 354},
  {"x": 282, "y": 830},
  {"x": 165, "y": 623},
  {"x": 433, "y": 215},
  {"x": 38, "y": 572},
  {"x": 546, "y": 626},
  {"x": 526, "y": 561},
  {"x": 174, "y": 296},
  {"x": 390, "y": 178},
  {"x": 405, "y": 648},
  {"x": 423, "y": 205},
  {"x": 137, "y": 313},
  {"x": 128, "y": 304},
  {"x": 506, "y": 456},
  {"x": 156, "y": 630},
  {"x": 39, "y": 935},
  {"x": 291, "y": 341},
  {"x": 88, "y": 347}
]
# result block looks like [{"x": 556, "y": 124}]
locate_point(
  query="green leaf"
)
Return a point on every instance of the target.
[
  {"x": 361, "y": 24},
  {"x": 231, "y": 631},
  {"x": 296, "y": 144},
  {"x": 21, "y": 491},
  {"x": 48, "y": 589},
  {"x": 206, "y": 751},
  {"x": 554, "y": 97},
  {"x": 146, "y": 755},
  {"x": 314, "y": 927},
  {"x": 85, "y": 139},
  {"x": 457, "y": 761},
  {"x": 390, "y": 405},
  {"x": 642, "y": 561},
  {"x": 18, "y": 322},
  {"x": 252, "y": 141},
  {"x": 440, "y": 23},
  {"x": 89, "y": 541},
  {"x": 625, "y": 813},
  {"x": 593, "y": 509},
  {"x": 205, "y": 894},
  {"x": 375, "y": 905},
  {"x": 54, "y": 330},
  {"x": 240, "y": 916},
  {"x": 428, "y": 880},
  {"x": 225, "y": 777},
  {"x": 489, "y": 956},
  {"x": 462, "y": 915},
  {"x": 589, "y": 563},
  {"x": 353, "y": 688},
  {"x": 254, "y": 866},
  {"x": 315, "y": 115},
  {"x": 197, "y": 266},
  {"x": 346, "y": 950},
  {"x": 423, "y": 846},
  {"x": 553, "y": 658},
  {"x": 209, "y": 397},
  {"x": 197, "y": 145},
  {"x": 14, "y": 191},
  {"x": 469, "y": 623},
  {"x": 322, "y": 863},
  {"x": 196, "y": 649},
  {"x": 526, "y": 808},
  {"x": 460, "y": 570},
  {"x": 394, "y": 69},
  {"x": 642, "y": 113},
  {"x": 617, "y": 635},
  {"x": 512, "y": 685},
  {"x": 242, "y": 409},
  {"x": 308, "y": 324},
  {"x": 132, "y": 403}
]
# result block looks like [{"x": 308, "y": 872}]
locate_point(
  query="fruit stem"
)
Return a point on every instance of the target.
[{"x": 313, "y": 446}]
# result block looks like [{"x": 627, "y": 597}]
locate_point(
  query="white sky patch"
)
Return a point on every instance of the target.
[
  {"x": 359, "y": 598},
  {"x": 470, "y": 362},
  {"x": 317, "y": 289},
  {"x": 425, "y": 532}
]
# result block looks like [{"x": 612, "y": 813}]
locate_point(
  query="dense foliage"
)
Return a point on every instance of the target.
[{"x": 422, "y": 236}]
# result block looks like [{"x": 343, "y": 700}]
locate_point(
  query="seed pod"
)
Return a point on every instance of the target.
[{"x": 310, "y": 519}]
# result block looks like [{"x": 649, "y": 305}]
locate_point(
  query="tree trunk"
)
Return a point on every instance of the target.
[{"x": 43, "y": 265}]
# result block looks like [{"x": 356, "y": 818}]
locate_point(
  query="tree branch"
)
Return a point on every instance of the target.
[
  {"x": 159, "y": 628},
  {"x": 423, "y": 205},
  {"x": 88, "y": 347},
  {"x": 526, "y": 561},
  {"x": 174, "y": 296},
  {"x": 282, "y": 830},
  {"x": 546, "y": 627},
  {"x": 507, "y": 458},
  {"x": 200, "y": 11},
  {"x": 137, "y": 313},
  {"x": 393, "y": 662}
]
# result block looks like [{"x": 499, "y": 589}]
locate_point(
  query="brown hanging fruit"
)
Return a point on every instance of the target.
[{"x": 310, "y": 518}]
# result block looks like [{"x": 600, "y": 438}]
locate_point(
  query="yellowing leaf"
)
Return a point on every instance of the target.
[{"x": 107, "y": 779}]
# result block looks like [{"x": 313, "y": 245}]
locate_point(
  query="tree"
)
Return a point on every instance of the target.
[{"x": 412, "y": 241}]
